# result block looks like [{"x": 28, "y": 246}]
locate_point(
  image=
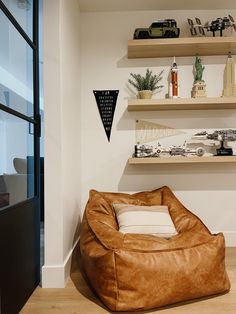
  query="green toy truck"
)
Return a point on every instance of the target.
[{"x": 159, "y": 29}]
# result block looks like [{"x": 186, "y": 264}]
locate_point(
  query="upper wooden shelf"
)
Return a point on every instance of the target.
[
  {"x": 181, "y": 160},
  {"x": 181, "y": 47},
  {"x": 182, "y": 104}
]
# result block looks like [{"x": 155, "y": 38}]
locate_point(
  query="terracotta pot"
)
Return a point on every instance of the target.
[{"x": 145, "y": 94}]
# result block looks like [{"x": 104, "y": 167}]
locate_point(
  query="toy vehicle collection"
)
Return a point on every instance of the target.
[
  {"x": 167, "y": 28},
  {"x": 217, "y": 25},
  {"x": 159, "y": 29},
  {"x": 144, "y": 150},
  {"x": 221, "y": 136}
]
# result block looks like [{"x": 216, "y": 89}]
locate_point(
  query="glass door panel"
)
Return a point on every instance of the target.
[
  {"x": 22, "y": 10},
  {"x": 17, "y": 160},
  {"x": 16, "y": 69},
  {"x": 19, "y": 154}
]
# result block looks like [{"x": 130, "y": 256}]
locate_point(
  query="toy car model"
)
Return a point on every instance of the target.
[
  {"x": 184, "y": 151},
  {"x": 222, "y": 136},
  {"x": 218, "y": 135},
  {"x": 159, "y": 29},
  {"x": 142, "y": 151}
]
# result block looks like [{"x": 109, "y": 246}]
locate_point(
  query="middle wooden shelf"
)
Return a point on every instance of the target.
[{"x": 182, "y": 104}]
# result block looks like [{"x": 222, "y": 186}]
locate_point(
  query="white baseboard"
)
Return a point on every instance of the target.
[
  {"x": 230, "y": 238},
  {"x": 55, "y": 276}
]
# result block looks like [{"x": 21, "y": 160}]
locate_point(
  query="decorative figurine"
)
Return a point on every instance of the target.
[
  {"x": 219, "y": 135},
  {"x": 198, "y": 69},
  {"x": 159, "y": 29},
  {"x": 199, "y": 85},
  {"x": 229, "y": 77},
  {"x": 194, "y": 27},
  {"x": 173, "y": 79},
  {"x": 217, "y": 25}
]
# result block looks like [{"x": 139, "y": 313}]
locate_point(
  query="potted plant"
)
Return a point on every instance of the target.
[{"x": 146, "y": 85}]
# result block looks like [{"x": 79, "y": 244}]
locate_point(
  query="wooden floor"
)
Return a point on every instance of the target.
[{"x": 77, "y": 298}]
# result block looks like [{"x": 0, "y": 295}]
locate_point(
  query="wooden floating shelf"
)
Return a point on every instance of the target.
[
  {"x": 181, "y": 160},
  {"x": 182, "y": 104},
  {"x": 181, "y": 47}
]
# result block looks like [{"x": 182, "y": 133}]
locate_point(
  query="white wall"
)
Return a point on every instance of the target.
[
  {"x": 62, "y": 137},
  {"x": 76, "y": 147},
  {"x": 207, "y": 190},
  {"x": 71, "y": 120},
  {"x": 149, "y": 5}
]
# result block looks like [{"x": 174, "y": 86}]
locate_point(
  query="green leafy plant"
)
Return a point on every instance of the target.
[{"x": 148, "y": 82}]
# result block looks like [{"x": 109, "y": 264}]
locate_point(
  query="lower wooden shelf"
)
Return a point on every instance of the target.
[{"x": 182, "y": 160}]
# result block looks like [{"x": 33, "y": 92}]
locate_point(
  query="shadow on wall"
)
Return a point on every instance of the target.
[
  {"x": 124, "y": 62},
  {"x": 175, "y": 118},
  {"x": 182, "y": 177},
  {"x": 77, "y": 231}
]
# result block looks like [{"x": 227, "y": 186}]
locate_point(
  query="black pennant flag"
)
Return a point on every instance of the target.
[{"x": 106, "y": 102}]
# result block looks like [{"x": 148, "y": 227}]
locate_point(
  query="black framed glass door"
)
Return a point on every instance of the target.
[{"x": 19, "y": 153}]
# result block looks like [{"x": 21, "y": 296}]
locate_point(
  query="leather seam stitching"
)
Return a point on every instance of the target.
[
  {"x": 169, "y": 250},
  {"x": 116, "y": 279}
]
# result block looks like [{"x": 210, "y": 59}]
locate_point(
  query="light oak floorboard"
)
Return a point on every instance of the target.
[{"x": 77, "y": 298}]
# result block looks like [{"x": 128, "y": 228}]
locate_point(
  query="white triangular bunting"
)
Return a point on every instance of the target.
[{"x": 149, "y": 131}]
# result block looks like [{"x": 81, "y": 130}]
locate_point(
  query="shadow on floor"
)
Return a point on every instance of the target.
[{"x": 80, "y": 280}]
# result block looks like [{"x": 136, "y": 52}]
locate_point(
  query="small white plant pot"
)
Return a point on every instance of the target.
[{"x": 145, "y": 94}]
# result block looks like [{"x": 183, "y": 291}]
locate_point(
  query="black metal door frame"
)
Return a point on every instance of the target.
[{"x": 29, "y": 210}]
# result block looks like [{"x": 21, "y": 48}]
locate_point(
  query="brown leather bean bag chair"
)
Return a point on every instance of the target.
[{"x": 134, "y": 271}]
